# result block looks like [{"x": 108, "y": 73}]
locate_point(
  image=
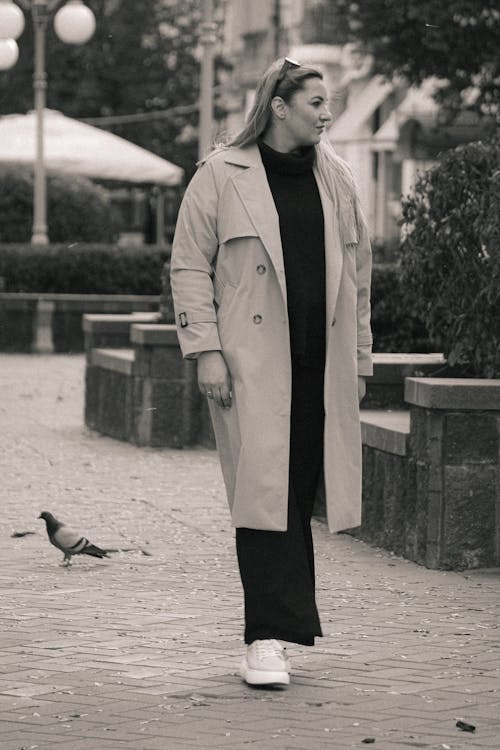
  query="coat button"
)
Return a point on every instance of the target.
[
  {"x": 257, "y": 319},
  {"x": 261, "y": 269}
]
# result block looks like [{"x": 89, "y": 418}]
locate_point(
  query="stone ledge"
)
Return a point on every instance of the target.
[
  {"x": 118, "y": 322},
  {"x": 385, "y": 388},
  {"x": 394, "y": 367},
  {"x": 464, "y": 394},
  {"x": 118, "y": 360},
  {"x": 386, "y": 431},
  {"x": 159, "y": 334},
  {"x": 79, "y": 298}
]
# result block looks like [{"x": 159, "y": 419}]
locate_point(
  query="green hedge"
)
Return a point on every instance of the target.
[
  {"x": 451, "y": 256},
  {"x": 101, "y": 269},
  {"x": 385, "y": 251},
  {"x": 82, "y": 268},
  {"x": 395, "y": 323},
  {"x": 78, "y": 210}
]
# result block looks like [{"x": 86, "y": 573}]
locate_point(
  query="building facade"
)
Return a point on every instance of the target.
[{"x": 387, "y": 132}]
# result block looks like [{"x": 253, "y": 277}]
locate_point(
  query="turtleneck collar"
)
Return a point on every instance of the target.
[{"x": 286, "y": 163}]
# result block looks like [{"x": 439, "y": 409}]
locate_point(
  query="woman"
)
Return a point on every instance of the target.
[{"x": 270, "y": 277}]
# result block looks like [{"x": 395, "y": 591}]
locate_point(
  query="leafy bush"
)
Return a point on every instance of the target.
[
  {"x": 451, "y": 256},
  {"x": 385, "y": 251},
  {"x": 77, "y": 209},
  {"x": 395, "y": 324},
  {"x": 82, "y": 269},
  {"x": 103, "y": 269}
]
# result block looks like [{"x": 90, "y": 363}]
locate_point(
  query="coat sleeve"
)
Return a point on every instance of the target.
[
  {"x": 194, "y": 248},
  {"x": 363, "y": 272}
]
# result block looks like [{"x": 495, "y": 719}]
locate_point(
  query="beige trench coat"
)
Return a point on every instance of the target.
[{"x": 229, "y": 291}]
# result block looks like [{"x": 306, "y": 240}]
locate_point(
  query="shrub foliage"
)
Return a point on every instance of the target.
[
  {"x": 451, "y": 256},
  {"x": 77, "y": 209},
  {"x": 395, "y": 324},
  {"x": 78, "y": 268}
]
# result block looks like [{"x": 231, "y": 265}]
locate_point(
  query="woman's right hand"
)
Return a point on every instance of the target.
[{"x": 214, "y": 378}]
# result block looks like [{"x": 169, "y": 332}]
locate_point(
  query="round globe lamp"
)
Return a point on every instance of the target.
[
  {"x": 74, "y": 23},
  {"x": 11, "y": 20},
  {"x": 9, "y": 53}
]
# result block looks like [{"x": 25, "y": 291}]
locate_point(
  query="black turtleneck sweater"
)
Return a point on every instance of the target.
[{"x": 298, "y": 204}]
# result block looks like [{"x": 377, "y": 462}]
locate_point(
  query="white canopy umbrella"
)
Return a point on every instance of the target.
[{"x": 74, "y": 147}]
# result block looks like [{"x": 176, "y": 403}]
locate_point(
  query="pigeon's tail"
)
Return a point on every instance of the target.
[{"x": 94, "y": 551}]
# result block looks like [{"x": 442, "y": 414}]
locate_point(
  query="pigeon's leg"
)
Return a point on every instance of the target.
[{"x": 66, "y": 560}]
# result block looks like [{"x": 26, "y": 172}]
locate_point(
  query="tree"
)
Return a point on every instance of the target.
[
  {"x": 457, "y": 41},
  {"x": 97, "y": 77},
  {"x": 450, "y": 257},
  {"x": 321, "y": 24},
  {"x": 142, "y": 59}
]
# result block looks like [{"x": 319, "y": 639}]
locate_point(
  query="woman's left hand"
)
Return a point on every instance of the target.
[{"x": 361, "y": 388}]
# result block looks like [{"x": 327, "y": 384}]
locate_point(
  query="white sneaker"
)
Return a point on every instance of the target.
[{"x": 266, "y": 663}]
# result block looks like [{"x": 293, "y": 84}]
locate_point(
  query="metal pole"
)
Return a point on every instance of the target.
[
  {"x": 277, "y": 28},
  {"x": 207, "y": 41},
  {"x": 159, "y": 195},
  {"x": 40, "y": 236},
  {"x": 191, "y": 402}
]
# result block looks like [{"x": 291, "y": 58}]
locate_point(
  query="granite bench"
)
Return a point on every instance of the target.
[
  {"x": 431, "y": 475},
  {"x": 44, "y": 323},
  {"x": 431, "y": 472}
]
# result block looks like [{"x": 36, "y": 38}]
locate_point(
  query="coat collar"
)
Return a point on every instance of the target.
[{"x": 244, "y": 156}]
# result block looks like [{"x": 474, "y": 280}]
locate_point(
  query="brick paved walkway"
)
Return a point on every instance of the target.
[{"x": 142, "y": 651}]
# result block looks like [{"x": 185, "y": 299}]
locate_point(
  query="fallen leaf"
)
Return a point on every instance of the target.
[{"x": 465, "y": 727}]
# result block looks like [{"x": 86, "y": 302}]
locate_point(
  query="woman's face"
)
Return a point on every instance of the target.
[{"x": 306, "y": 114}]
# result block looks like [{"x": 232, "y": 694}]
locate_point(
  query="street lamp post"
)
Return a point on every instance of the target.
[
  {"x": 205, "y": 120},
  {"x": 75, "y": 24},
  {"x": 40, "y": 231},
  {"x": 207, "y": 41}
]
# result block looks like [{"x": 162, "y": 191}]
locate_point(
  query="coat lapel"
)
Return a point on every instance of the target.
[
  {"x": 253, "y": 189},
  {"x": 333, "y": 247}
]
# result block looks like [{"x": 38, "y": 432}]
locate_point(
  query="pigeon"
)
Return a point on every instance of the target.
[{"x": 68, "y": 541}]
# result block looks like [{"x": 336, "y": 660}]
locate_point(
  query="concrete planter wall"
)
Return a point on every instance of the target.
[
  {"x": 431, "y": 484},
  {"x": 455, "y": 460},
  {"x": 46, "y": 323},
  {"x": 112, "y": 331},
  {"x": 386, "y": 387},
  {"x": 153, "y": 357},
  {"x": 147, "y": 393},
  {"x": 431, "y": 471}
]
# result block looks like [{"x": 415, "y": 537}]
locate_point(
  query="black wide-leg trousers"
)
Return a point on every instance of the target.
[{"x": 277, "y": 567}]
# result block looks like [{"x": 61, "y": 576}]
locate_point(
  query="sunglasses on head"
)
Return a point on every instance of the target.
[{"x": 288, "y": 64}]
